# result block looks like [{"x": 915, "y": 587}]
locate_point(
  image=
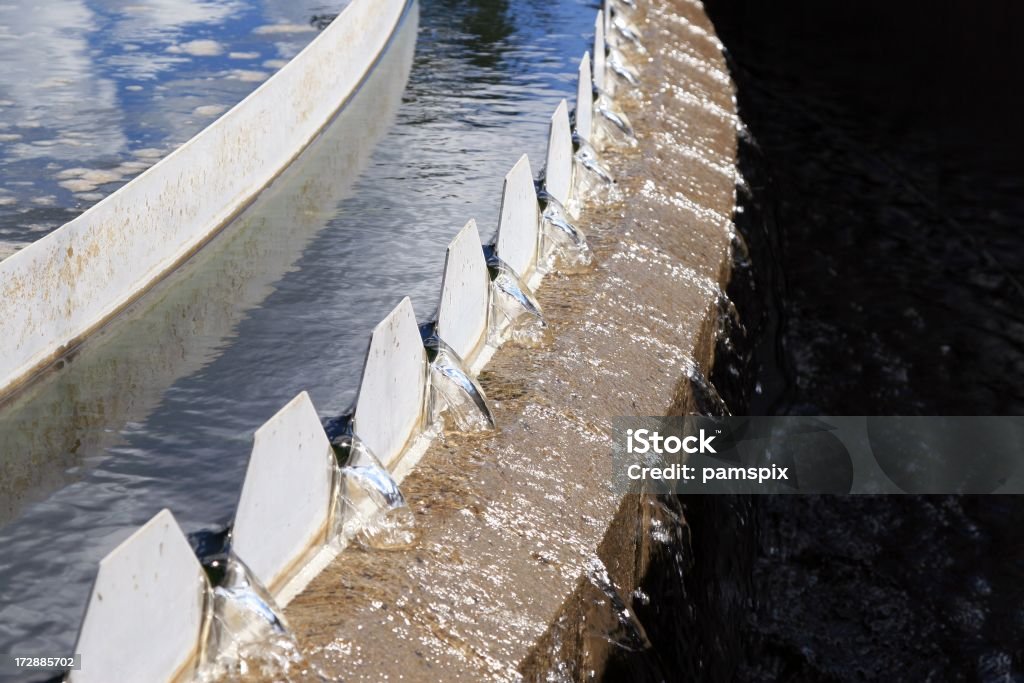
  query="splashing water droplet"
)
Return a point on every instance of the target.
[
  {"x": 563, "y": 246},
  {"x": 705, "y": 395},
  {"x": 454, "y": 394},
  {"x": 247, "y": 634},
  {"x": 372, "y": 511},
  {"x": 516, "y": 315}
]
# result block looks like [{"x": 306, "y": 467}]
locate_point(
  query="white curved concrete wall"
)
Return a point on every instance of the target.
[
  {"x": 465, "y": 294},
  {"x": 57, "y": 290},
  {"x": 285, "y": 505},
  {"x": 392, "y": 394},
  {"x": 519, "y": 224},
  {"x": 144, "y": 619},
  {"x": 599, "y": 51},
  {"x": 558, "y": 175},
  {"x": 584, "y": 99}
]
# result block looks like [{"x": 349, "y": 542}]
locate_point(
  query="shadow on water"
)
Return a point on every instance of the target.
[
  {"x": 695, "y": 596},
  {"x": 887, "y": 171},
  {"x": 485, "y": 26}
]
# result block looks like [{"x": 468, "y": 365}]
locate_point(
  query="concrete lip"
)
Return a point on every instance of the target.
[{"x": 510, "y": 522}]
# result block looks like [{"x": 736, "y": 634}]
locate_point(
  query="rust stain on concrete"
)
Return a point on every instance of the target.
[{"x": 510, "y": 522}]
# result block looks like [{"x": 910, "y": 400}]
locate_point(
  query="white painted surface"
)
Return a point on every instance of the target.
[
  {"x": 585, "y": 99},
  {"x": 599, "y": 52},
  {"x": 286, "y": 498},
  {"x": 465, "y": 294},
  {"x": 144, "y": 618},
  {"x": 389, "y": 409},
  {"x": 558, "y": 176},
  {"x": 519, "y": 223},
  {"x": 61, "y": 287}
]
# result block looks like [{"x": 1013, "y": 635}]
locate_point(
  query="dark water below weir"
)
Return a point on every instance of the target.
[
  {"x": 159, "y": 411},
  {"x": 885, "y": 223}
]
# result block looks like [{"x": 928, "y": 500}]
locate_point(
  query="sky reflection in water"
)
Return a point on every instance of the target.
[{"x": 160, "y": 411}]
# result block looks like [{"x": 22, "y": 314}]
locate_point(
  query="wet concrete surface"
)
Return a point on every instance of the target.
[
  {"x": 511, "y": 524},
  {"x": 159, "y": 408}
]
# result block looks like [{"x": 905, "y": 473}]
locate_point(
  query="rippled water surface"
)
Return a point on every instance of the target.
[
  {"x": 159, "y": 410},
  {"x": 888, "y": 172},
  {"x": 92, "y": 92},
  {"x": 885, "y": 221}
]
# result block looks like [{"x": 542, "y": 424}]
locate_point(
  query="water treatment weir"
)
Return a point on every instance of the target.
[{"x": 158, "y": 410}]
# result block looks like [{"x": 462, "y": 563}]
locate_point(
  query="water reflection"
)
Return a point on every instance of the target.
[
  {"x": 486, "y": 27},
  {"x": 58, "y": 434},
  {"x": 164, "y": 414},
  {"x": 95, "y": 91}
]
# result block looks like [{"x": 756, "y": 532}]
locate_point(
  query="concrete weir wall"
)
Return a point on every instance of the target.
[
  {"x": 62, "y": 287},
  {"x": 510, "y": 521}
]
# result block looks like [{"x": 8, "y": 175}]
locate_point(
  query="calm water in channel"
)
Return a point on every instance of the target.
[
  {"x": 94, "y": 92},
  {"x": 160, "y": 410}
]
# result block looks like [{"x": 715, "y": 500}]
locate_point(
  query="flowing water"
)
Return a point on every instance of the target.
[
  {"x": 563, "y": 245},
  {"x": 247, "y": 635},
  {"x": 516, "y": 315},
  {"x": 455, "y": 396},
  {"x": 883, "y": 216},
  {"x": 372, "y": 509},
  {"x": 159, "y": 410}
]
